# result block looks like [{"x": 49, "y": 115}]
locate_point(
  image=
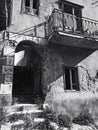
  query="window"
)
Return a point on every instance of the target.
[
  {"x": 27, "y": 6},
  {"x": 71, "y": 78},
  {"x": 73, "y": 9},
  {"x": 30, "y": 6},
  {"x": 5, "y": 14},
  {"x": 9, "y": 9},
  {"x": 27, "y": 3}
]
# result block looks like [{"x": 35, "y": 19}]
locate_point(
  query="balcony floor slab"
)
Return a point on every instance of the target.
[{"x": 68, "y": 39}]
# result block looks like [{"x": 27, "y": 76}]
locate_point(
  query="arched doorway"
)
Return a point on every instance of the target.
[{"x": 27, "y": 73}]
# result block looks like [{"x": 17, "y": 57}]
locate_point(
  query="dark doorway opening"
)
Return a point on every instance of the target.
[{"x": 27, "y": 86}]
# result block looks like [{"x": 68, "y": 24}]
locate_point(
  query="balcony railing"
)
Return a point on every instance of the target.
[
  {"x": 71, "y": 24},
  {"x": 38, "y": 31}
]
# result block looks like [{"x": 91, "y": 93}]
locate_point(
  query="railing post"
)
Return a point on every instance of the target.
[
  {"x": 63, "y": 21},
  {"x": 45, "y": 29},
  {"x": 54, "y": 19},
  {"x": 35, "y": 29},
  {"x": 5, "y": 35},
  {"x": 73, "y": 23},
  {"x": 73, "y": 12}
]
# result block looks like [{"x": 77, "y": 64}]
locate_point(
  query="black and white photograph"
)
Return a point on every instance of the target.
[{"x": 48, "y": 64}]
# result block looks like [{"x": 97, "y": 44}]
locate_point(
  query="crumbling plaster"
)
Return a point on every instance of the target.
[{"x": 88, "y": 69}]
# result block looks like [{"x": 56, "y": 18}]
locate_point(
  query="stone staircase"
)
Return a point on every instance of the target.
[{"x": 23, "y": 117}]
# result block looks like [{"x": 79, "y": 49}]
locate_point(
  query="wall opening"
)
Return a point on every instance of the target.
[
  {"x": 73, "y": 9},
  {"x": 71, "y": 78},
  {"x": 27, "y": 73}
]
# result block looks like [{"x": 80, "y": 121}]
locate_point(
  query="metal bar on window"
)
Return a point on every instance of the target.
[
  {"x": 70, "y": 79},
  {"x": 64, "y": 78}
]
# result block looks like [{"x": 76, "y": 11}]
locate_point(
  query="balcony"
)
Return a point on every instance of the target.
[{"x": 67, "y": 29}]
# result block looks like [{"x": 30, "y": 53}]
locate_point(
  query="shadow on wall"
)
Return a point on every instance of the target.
[
  {"x": 71, "y": 55},
  {"x": 69, "y": 102},
  {"x": 56, "y": 56},
  {"x": 53, "y": 58}
]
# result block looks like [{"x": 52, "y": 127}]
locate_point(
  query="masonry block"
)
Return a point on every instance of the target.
[{"x": 5, "y": 100}]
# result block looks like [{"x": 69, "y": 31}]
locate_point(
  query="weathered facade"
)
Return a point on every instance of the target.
[{"x": 50, "y": 50}]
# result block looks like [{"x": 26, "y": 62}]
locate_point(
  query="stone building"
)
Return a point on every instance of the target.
[{"x": 48, "y": 52}]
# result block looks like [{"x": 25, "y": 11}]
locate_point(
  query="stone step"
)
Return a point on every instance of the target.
[
  {"x": 21, "y": 107},
  {"x": 19, "y": 112},
  {"x": 36, "y": 120},
  {"x": 19, "y": 123},
  {"x": 26, "y": 112},
  {"x": 39, "y": 120},
  {"x": 26, "y": 99},
  {"x": 33, "y": 114}
]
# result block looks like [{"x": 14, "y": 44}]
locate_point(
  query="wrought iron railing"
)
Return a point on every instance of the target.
[
  {"x": 72, "y": 24},
  {"x": 35, "y": 31}
]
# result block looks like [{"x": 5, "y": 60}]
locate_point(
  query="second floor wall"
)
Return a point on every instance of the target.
[{"x": 26, "y": 14}]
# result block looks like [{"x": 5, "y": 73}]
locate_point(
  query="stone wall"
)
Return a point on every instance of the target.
[
  {"x": 72, "y": 103},
  {"x": 6, "y": 73},
  {"x": 87, "y": 83},
  {"x": 88, "y": 69}
]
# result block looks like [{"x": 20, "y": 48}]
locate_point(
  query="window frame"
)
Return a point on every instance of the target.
[
  {"x": 31, "y": 11},
  {"x": 74, "y": 6},
  {"x": 71, "y": 78},
  {"x": 76, "y": 16}
]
